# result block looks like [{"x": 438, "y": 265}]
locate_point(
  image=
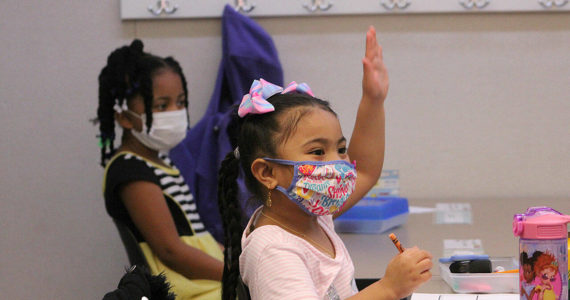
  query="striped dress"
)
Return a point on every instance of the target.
[{"x": 126, "y": 167}]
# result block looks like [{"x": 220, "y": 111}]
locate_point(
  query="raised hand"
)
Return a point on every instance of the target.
[{"x": 375, "y": 79}]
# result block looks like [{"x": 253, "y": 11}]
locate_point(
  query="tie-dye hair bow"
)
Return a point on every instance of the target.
[{"x": 256, "y": 101}]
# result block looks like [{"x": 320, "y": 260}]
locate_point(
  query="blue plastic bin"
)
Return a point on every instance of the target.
[{"x": 374, "y": 215}]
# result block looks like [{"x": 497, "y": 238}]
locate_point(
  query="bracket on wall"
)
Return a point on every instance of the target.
[
  {"x": 391, "y": 4},
  {"x": 244, "y": 6},
  {"x": 552, "y": 3},
  {"x": 322, "y": 5},
  {"x": 470, "y": 4},
  {"x": 162, "y": 6}
]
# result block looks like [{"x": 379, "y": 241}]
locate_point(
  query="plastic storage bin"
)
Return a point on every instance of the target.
[
  {"x": 484, "y": 282},
  {"x": 373, "y": 215}
]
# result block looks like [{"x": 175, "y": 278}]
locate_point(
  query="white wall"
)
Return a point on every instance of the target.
[{"x": 478, "y": 108}]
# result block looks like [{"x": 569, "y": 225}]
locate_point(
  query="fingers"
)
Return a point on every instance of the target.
[
  {"x": 375, "y": 76},
  {"x": 424, "y": 270},
  {"x": 371, "y": 43},
  {"x": 373, "y": 57},
  {"x": 366, "y": 67},
  {"x": 420, "y": 259},
  {"x": 417, "y": 255},
  {"x": 409, "y": 270},
  {"x": 424, "y": 277},
  {"x": 425, "y": 265},
  {"x": 373, "y": 51}
]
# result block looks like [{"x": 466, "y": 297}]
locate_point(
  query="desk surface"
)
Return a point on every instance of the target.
[{"x": 492, "y": 224}]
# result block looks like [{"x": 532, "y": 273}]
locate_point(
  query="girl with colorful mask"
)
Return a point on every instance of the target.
[
  {"x": 295, "y": 161},
  {"x": 147, "y": 96}
]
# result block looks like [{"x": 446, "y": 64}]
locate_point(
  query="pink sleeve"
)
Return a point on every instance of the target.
[{"x": 281, "y": 273}]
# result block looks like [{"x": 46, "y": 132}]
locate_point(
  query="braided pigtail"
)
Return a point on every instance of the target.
[
  {"x": 145, "y": 90},
  {"x": 141, "y": 78},
  {"x": 171, "y": 62},
  {"x": 105, "y": 116},
  {"x": 115, "y": 85},
  {"x": 232, "y": 219}
]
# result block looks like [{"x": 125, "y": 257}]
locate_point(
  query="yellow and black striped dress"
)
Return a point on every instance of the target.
[{"x": 127, "y": 167}]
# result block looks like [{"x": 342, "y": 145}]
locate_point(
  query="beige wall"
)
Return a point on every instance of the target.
[{"x": 478, "y": 108}]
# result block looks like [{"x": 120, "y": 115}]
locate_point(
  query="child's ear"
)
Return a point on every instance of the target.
[
  {"x": 263, "y": 171},
  {"x": 123, "y": 120}
]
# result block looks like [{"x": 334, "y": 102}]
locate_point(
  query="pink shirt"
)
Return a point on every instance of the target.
[{"x": 276, "y": 264}]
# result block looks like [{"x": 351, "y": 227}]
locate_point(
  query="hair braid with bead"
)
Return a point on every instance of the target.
[{"x": 232, "y": 219}]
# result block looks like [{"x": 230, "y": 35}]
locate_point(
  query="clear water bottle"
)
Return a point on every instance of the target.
[{"x": 543, "y": 253}]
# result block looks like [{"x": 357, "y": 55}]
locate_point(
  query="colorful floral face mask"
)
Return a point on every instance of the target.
[{"x": 319, "y": 187}]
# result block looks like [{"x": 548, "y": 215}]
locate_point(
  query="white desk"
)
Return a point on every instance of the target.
[{"x": 492, "y": 224}]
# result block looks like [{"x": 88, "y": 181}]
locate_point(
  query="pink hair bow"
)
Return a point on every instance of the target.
[
  {"x": 302, "y": 88},
  {"x": 256, "y": 101}
]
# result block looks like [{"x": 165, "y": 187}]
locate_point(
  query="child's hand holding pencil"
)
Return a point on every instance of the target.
[{"x": 407, "y": 270}]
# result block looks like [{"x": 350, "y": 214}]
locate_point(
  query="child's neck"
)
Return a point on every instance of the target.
[
  {"x": 294, "y": 218},
  {"x": 131, "y": 144},
  {"x": 299, "y": 223}
]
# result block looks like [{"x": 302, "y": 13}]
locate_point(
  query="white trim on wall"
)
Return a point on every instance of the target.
[{"x": 179, "y": 9}]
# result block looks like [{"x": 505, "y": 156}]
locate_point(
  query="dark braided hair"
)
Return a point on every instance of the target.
[
  {"x": 259, "y": 136},
  {"x": 129, "y": 72}
]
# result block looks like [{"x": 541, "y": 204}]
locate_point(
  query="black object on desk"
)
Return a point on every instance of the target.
[
  {"x": 471, "y": 266},
  {"x": 470, "y": 263}
]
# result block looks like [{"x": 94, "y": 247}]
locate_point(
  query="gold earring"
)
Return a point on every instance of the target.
[{"x": 268, "y": 202}]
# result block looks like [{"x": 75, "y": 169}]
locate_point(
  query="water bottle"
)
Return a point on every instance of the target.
[{"x": 543, "y": 253}]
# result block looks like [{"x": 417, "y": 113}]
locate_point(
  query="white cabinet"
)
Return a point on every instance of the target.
[{"x": 151, "y": 9}]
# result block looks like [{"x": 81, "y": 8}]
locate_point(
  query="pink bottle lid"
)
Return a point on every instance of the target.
[{"x": 541, "y": 223}]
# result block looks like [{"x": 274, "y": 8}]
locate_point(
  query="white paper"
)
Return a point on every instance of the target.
[
  {"x": 462, "y": 247},
  {"x": 421, "y": 296},
  {"x": 453, "y": 213},
  {"x": 421, "y": 210}
]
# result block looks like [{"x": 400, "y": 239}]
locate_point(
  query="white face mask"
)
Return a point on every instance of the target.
[{"x": 168, "y": 129}]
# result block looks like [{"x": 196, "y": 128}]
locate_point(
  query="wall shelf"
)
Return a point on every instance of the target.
[{"x": 181, "y": 9}]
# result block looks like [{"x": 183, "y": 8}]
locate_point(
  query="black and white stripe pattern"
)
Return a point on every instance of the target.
[{"x": 174, "y": 186}]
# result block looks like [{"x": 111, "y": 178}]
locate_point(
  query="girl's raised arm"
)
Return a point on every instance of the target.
[{"x": 368, "y": 138}]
